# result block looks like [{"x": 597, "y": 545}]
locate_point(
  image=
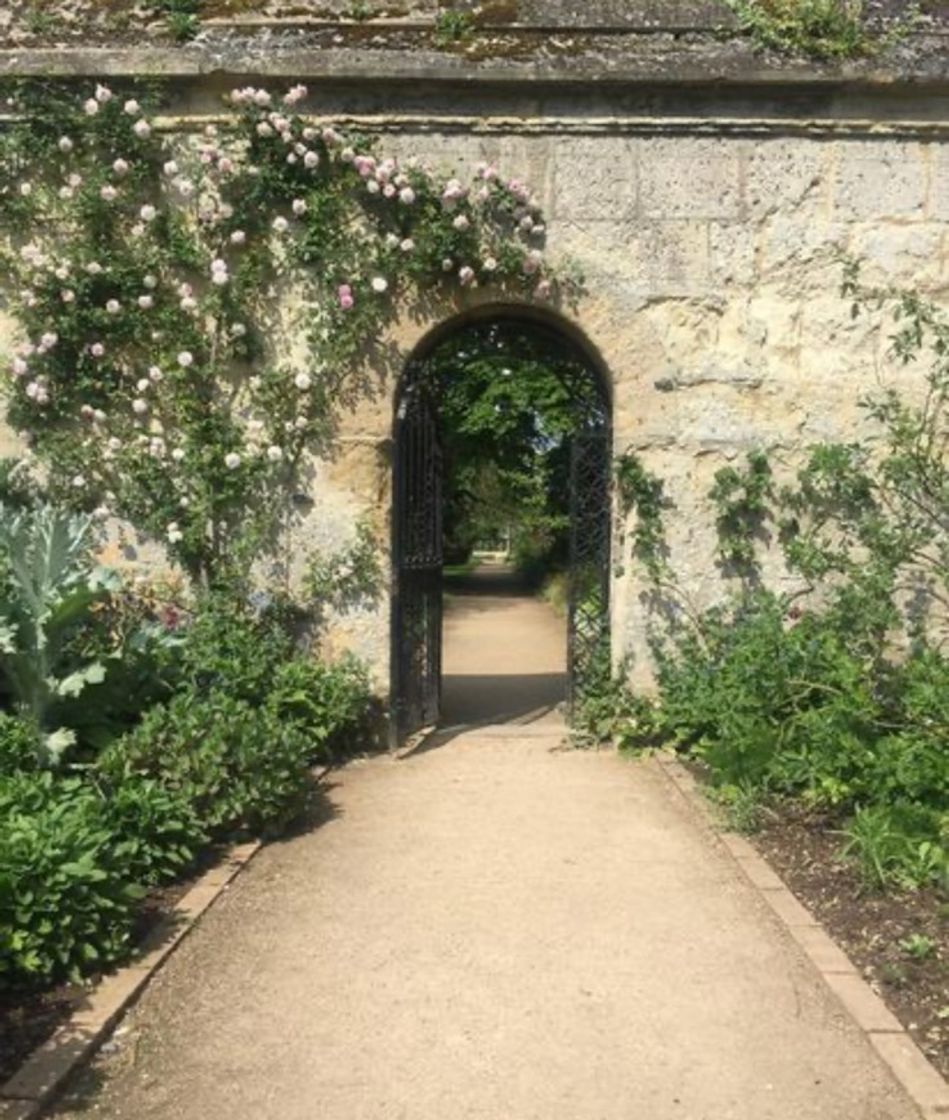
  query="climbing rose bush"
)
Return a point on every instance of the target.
[{"x": 153, "y": 275}]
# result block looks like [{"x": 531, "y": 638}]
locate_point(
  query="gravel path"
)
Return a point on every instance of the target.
[
  {"x": 505, "y": 653},
  {"x": 491, "y": 928}
]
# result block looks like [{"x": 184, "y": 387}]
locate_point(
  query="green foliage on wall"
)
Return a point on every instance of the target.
[
  {"x": 153, "y": 276},
  {"x": 640, "y": 492},
  {"x": 836, "y": 691}
]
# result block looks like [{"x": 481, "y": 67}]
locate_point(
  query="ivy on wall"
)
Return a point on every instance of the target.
[
  {"x": 162, "y": 376},
  {"x": 642, "y": 493}
]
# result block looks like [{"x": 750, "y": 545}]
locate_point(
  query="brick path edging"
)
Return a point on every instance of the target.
[
  {"x": 36, "y": 1083},
  {"x": 921, "y": 1081}
]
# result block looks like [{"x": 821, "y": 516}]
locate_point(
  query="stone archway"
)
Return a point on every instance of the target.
[{"x": 416, "y": 525}]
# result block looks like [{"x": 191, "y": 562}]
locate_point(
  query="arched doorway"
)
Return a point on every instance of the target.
[{"x": 418, "y": 496}]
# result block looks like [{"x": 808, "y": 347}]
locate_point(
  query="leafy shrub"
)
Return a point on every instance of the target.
[
  {"x": 777, "y": 702},
  {"x": 211, "y": 762},
  {"x": 155, "y": 830},
  {"x": 555, "y": 592},
  {"x": 741, "y": 805},
  {"x": 240, "y": 768},
  {"x": 822, "y": 29},
  {"x": 896, "y": 846},
  {"x": 452, "y": 27},
  {"x": 19, "y": 745},
  {"x": 182, "y": 17},
  {"x": 607, "y": 710},
  {"x": 252, "y": 656},
  {"x": 720, "y": 681},
  {"x": 328, "y": 703},
  {"x": 18, "y": 489},
  {"x": 537, "y": 552},
  {"x": 66, "y": 902},
  {"x": 136, "y": 636},
  {"x": 910, "y": 759},
  {"x": 229, "y": 648},
  {"x": 794, "y": 703}
]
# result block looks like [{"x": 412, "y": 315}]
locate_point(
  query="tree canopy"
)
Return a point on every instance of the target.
[{"x": 510, "y": 395}]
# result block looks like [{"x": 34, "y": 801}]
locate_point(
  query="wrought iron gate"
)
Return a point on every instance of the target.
[
  {"x": 588, "y": 580},
  {"x": 417, "y": 606},
  {"x": 417, "y": 542}
]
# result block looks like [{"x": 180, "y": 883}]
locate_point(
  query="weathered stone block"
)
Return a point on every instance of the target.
[
  {"x": 667, "y": 258},
  {"x": 713, "y": 418},
  {"x": 774, "y": 329},
  {"x": 800, "y": 252},
  {"x": 939, "y": 182},
  {"x": 833, "y": 343},
  {"x": 322, "y": 9},
  {"x": 595, "y": 179},
  {"x": 786, "y": 175},
  {"x": 914, "y": 255},
  {"x": 731, "y": 248},
  {"x": 448, "y": 152},
  {"x": 880, "y": 179},
  {"x": 606, "y": 13},
  {"x": 693, "y": 178},
  {"x": 830, "y": 407}
]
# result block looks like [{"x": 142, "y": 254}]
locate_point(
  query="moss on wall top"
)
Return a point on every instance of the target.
[{"x": 651, "y": 40}]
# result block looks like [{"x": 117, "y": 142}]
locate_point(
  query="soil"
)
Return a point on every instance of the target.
[
  {"x": 872, "y": 928},
  {"x": 28, "y": 1019}
]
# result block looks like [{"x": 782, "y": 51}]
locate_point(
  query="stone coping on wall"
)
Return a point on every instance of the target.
[
  {"x": 524, "y": 43},
  {"x": 593, "y": 41},
  {"x": 923, "y": 64},
  {"x": 729, "y": 91}
]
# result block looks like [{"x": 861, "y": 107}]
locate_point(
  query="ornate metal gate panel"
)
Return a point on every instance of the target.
[
  {"x": 417, "y": 614},
  {"x": 588, "y": 583},
  {"x": 416, "y": 653}
]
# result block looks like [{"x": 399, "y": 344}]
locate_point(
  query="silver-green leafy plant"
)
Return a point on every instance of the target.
[{"x": 49, "y": 585}]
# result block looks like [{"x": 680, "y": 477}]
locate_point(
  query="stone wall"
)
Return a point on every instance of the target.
[
  {"x": 705, "y": 220},
  {"x": 712, "y": 299}
]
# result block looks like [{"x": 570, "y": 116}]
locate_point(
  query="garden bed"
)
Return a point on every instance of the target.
[
  {"x": 28, "y": 1019},
  {"x": 874, "y": 929}
]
